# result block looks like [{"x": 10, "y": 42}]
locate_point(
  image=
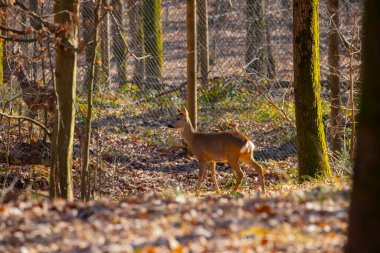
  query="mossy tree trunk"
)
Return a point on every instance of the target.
[
  {"x": 119, "y": 47},
  {"x": 364, "y": 214},
  {"x": 135, "y": 21},
  {"x": 311, "y": 142},
  {"x": 254, "y": 55},
  {"x": 65, "y": 76},
  {"x": 203, "y": 43},
  {"x": 333, "y": 58},
  {"x": 153, "y": 46}
]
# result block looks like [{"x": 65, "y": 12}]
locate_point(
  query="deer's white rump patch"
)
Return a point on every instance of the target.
[{"x": 249, "y": 146}]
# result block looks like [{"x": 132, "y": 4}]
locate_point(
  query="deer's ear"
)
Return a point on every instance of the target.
[{"x": 183, "y": 110}]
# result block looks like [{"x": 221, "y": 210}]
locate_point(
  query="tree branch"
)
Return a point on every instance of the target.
[{"x": 27, "y": 119}]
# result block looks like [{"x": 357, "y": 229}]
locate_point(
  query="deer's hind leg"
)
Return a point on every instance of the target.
[{"x": 252, "y": 163}]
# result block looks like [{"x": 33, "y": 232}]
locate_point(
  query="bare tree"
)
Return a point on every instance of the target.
[
  {"x": 203, "y": 43},
  {"x": 333, "y": 59},
  {"x": 119, "y": 47},
  {"x": 254, "y": 55},
  {"x": 85, "y": 182},
  {"x": 153, "y": 45}
]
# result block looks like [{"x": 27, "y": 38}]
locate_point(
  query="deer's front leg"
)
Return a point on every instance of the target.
[
  {"x": 214, "y": 178},
  {"x": 202, "y": 168}
]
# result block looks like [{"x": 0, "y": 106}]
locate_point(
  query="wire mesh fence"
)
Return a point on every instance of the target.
[{"x": 245, "y": 61}]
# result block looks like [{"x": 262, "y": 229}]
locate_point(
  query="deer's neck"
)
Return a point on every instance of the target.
[{"x": 188, "y": 133}]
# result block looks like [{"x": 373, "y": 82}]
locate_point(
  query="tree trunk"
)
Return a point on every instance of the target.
[
  {"x": 105, "y": 46},
  {"x": 135, "y": 22},
  {"x": 54, "y": 166},
  {"x": 153, "y": 40},
  {"x": 65, "y": 76},
  {"x": 311, "y": 143},
  {"x": 1, "y": 61},
  {"x": 119, "y": 47},
  {"x": 203, "y": 40},
  {"x": 364, "y": 215},
  {"x": 85, "y": 183},
  {"x": 271, "y": 61},
  {"x": 4, "y": 68},
  {"x": 255, "y": 55},
  {"x": 333, "y": 59},
  {"x": 191, "y": 31}
]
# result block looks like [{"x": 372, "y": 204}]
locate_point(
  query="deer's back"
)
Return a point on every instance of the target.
[{"x": 218, "y": 146}]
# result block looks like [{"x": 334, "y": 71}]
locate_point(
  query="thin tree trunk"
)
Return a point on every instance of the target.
[
  {"x": 136, "y": 25},
  {"x": 153, "y": 46},
  {"x": 254, "y": 55},
  {"x": 364, "y": 214},
  {"x": 54, "y": 190},
  {"x": 118, "y": 47},
  {"x": 65, "y": 75},
  {"x": 1, "y": 61},
  {"x": 203, "y": 40},
  {"x": 191, "y": 61},
  {"x": 271, "y": 61},
  {"x": 54, "y": 169},
  {"x": 4, "y": 68},
  {"x": 352, "y": 105},
  {"x": 85, "y": 184},
  {"x": 105, "y": 46},
  {"x": 311, "y": 143},
  {"x": 333, "y": 58}
]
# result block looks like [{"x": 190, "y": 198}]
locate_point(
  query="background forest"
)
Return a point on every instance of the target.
[{"x": 87, "y": 89}]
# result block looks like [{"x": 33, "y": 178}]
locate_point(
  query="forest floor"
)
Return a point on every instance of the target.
[
  {"x": 145, "y": 195},
  {"x": 301, "y": 221}
]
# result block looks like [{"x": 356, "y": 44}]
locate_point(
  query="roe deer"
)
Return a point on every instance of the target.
[{"x": 210, "y": 148}]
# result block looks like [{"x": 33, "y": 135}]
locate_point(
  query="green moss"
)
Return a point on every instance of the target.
[{"x": 311, "y": 142}]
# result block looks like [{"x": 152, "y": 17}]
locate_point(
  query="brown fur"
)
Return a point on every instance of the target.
[{"x": 210, "y": 148}]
